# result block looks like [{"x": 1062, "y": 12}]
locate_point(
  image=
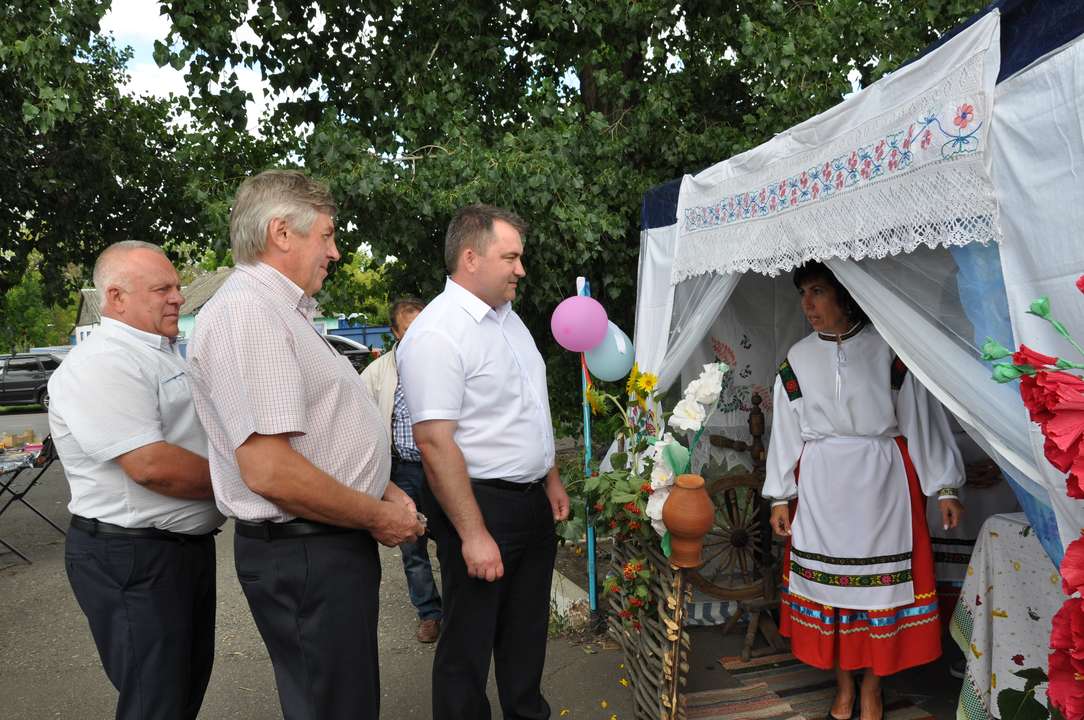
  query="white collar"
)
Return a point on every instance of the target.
[
  {"x": 475, "y": 306},
  {"x": 156, "y": 341}
]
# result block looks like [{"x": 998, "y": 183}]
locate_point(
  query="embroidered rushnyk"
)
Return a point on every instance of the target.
[{"x": 903, "y": 163}]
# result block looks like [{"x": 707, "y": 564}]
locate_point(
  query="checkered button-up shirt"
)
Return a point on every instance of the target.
[
  {"x": 402, "y": 432},
  {"x": 260, "y": 366}
]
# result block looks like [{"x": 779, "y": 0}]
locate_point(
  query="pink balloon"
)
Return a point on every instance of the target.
[{"x": 579, "y": 323}]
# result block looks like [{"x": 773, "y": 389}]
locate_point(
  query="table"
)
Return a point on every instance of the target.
[
  {"x": 1002, "y": 621},
  {"x": 34, "y": 459}
]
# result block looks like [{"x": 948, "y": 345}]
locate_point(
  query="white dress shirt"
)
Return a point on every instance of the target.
[
  {"x": 462, "y": 360},
  {"x": 259, "y": 366},
  {"x": 117, "y": 391}
]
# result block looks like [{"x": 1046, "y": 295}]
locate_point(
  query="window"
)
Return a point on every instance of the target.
[
  {"x": 49, "y": 363},
  {"x": 29, "y": 365}
]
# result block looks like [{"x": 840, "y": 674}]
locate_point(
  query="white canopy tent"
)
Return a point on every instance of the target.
[{"x": 943, "y": 199}]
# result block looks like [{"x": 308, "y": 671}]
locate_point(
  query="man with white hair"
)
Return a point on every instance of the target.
[
  {"x": 140, "y": 554},
  {"x": 299, "y": 455}
]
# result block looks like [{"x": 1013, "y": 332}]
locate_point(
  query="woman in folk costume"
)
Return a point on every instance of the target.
[{"x": 855, "y": 443}]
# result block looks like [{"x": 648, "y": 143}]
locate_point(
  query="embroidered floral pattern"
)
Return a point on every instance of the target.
[
  {"x": 875, "y": 580},
  {"x": 789, "y": 380},
  {"x": 736, "y": 396},
  {"x": 890, "y": 154},
  {"x": 876, "y": 560}
]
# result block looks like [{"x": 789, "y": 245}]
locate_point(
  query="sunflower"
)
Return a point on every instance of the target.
[
  {"x": 646, "y": 383},
  {"x": 595, "y": 400},
  {"x": 634, "y": 376}
]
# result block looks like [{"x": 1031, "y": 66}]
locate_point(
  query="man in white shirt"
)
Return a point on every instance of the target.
[
  {"x": 382, "y": 378},
  {"x": 475, "y": 386},
  {"x": 140, "y": 554},
  {"x": 298, "y": 454}
]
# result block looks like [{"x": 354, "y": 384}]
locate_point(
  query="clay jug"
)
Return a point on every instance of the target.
[{"x": 688, "y": 514}]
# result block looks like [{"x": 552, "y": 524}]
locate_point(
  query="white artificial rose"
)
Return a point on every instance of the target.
[
  {"x": 688, "y": 415},
  {"x": 692, "y": 389},
  {"x": 654, "y": 509},
  {"x": 708, "y": 385},
  {"x": 661, "y": 475}
]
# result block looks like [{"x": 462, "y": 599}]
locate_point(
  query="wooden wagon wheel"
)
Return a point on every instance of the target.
[{"x": 739, "y": 562}]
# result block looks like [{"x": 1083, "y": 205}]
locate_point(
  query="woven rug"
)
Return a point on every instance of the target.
[
  {"x": 807, "y": 690},
  {"x": 753, "y": 701}
]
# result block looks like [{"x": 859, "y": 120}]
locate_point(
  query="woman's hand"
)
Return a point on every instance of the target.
[
  {"x": 781, "y": 519},
  {"x": 951, "y": 512}
]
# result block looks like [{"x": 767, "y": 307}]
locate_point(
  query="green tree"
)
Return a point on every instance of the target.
[
  {"x": 357, "y": 288},
  {"x": 564, "y": 110},
  {"x": 85, "y": 165},
  {"x": 28, "y": 319}
]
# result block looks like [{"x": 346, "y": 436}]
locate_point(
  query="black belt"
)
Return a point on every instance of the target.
[
  {"x": 498, "y": 484},
  {"x": 97, "y": 527},
  {"x": 291, "y": 529},
  {"x": 397, "y": 459}
]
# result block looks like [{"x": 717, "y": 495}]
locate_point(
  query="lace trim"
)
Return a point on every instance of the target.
[
  {"x": 943, "y": 206},
  {"x": 914, "y": 174}
]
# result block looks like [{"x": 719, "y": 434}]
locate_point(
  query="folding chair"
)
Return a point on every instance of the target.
[{"x": 36, "y": 469}]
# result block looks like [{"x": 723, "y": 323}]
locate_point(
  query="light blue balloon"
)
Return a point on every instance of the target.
[{"x": 612, "y": 358}]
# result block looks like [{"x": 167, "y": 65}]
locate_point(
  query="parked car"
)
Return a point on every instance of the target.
[
  {"x": 24, "y": 378},
  {"x": 352, "y": 350}
]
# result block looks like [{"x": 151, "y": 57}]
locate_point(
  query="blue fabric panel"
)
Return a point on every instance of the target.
[
  {"x": 660, "y": 205},
  {"x": 982, "y": 294},
  {"x": 1029, "y": 30}
]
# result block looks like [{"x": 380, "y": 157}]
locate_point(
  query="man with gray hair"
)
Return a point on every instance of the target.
[
  {"x": 140, "y": 554},
  {"x": 299, "y": 456}
]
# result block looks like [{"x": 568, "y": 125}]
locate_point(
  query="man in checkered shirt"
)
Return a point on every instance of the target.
[
  {"x": 382, "y": 377},
  {"x": 298, "y": 455}
]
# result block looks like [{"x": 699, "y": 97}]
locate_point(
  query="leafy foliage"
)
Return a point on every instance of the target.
[
  {"x": 85, "y": 165},
  {"x": 28, "y": 320},
  {"x": 564, "y": 111}
]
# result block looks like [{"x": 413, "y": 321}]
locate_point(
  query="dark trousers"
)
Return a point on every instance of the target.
[
  {"x": 151, "y": 608},
  {"x": 507, "y": 619},
  {"x": 315, "y": 601},
  {"x": 410, "y": 478}
]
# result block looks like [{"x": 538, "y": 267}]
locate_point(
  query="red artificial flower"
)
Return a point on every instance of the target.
[
  {"x": 1065, "y": 689},
  {"x": 645, "y": 488},
  {"x": 1080, "y": 283},
  {"x": 1073, "y": 487},
  {"x": 635, "y": 624},
  {"x": 1061, "y": 625},
  {"x": 1027, "y": 356},
  {"x": 1055, "y": 400},
  {"x": 1072, "y": 567},
  {"x": 634, "y": 525}
]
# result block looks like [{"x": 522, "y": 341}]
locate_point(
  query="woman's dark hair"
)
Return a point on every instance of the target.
[{"x": 818, "y": 271}]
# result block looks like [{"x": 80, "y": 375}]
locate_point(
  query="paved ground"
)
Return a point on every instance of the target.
[{"x": 50, "y": 668}]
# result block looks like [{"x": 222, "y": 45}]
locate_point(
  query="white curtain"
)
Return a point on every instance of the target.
[
  {"x": 654, "y": 296},
  {"x": 938, "y": 349},
  {"x": 1038, "y": 157}
]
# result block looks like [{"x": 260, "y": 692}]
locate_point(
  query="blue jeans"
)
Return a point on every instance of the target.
[{"x": 410, "y": 478}]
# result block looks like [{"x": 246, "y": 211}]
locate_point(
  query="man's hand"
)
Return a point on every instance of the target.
[
  {"x": 397, "y": 524},
  {"x": 555, "y": 491},
  {"x": 780, "y": 520},
  {"x": 483, "y": 558},
  {"x": 395, "y": 494},
  {"x": 951, "y": 512}
]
